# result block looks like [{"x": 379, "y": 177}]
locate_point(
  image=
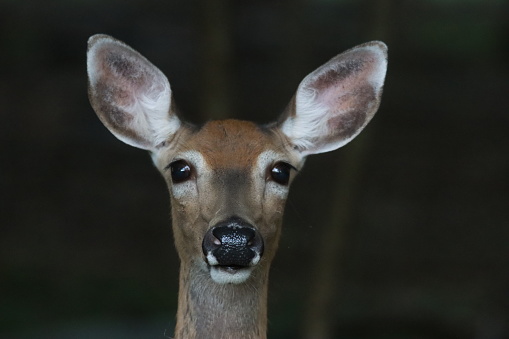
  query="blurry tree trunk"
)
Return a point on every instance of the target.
[
  {"x": 216, "y": 59},
  {"x": 294, "y": 56},
  {"x": 319, "y": 321},
  {"x": 327, "y": 276}
]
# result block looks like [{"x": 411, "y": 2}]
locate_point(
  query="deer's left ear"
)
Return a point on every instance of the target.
[{"x": 336, "y": 101}]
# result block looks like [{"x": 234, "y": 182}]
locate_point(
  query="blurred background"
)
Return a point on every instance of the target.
[{"x": 403, "y": 233}]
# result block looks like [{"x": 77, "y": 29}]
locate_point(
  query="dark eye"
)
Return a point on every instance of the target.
[
  {"x": 280, "y": 173},
  {"x": 180, "y": 171}
]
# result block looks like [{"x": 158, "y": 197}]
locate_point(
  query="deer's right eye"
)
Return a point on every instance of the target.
[{"x": 180, "y": 171}]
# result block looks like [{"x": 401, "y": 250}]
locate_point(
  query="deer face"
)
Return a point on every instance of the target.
[
  {"x": 229, "y": 179},
  {"x": 228, "y": 182}
]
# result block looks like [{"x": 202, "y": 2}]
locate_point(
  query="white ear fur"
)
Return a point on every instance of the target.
[
  {"x": 336, "y": 101},
  {"x": 131, "y": 96}
]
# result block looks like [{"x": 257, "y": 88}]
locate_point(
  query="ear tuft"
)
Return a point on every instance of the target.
[
  {"x": 336, "y": 101},
  {"x": 131, "y": 96}
]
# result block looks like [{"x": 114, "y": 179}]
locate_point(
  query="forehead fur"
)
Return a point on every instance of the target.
[{"x": 231, "y": 143}]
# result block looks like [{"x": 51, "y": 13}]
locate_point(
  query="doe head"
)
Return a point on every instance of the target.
[{"x": 229, "y": 179}]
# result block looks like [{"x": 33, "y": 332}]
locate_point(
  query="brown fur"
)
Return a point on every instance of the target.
[
  {"x": 230, "y": 143},
  {"x": 230, "y": 149},
  {"x": 231, "y": 163}
]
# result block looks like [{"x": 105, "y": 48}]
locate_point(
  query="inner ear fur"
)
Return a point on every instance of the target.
[
  {"x": 131, "y": 96},
  {"x": 335, "y": 102}
]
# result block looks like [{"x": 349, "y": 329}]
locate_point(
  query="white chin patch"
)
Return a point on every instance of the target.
[{"x": 225, "y": 275}]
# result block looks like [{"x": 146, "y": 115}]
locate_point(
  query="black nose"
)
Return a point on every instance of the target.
[{"x": 232, "y": 243}]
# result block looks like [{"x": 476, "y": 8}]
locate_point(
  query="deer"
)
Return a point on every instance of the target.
[{"x": 228, "y": 180}]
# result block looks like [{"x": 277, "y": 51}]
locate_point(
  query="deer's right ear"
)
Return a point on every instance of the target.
[
  {"x": 131, "y": 96},
  {"x": 336, "y": 101}
]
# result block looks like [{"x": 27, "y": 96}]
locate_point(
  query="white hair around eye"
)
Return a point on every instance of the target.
[
  {"x": 267, "y": 159},
  {"x": 188, "y": 189}
]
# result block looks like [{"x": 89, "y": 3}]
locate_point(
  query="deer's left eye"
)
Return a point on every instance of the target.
[{"x": 280, "y": 173}]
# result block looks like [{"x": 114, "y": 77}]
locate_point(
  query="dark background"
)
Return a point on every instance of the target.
[{"x": 404, "y": 233}]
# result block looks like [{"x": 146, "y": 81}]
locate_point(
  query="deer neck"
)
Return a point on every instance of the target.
[{"x": 230, "y": 311}]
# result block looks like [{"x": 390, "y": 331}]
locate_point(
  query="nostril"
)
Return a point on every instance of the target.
[
  {"x": 210, "y": 243},
  {"x": 256, "y": 243}
]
